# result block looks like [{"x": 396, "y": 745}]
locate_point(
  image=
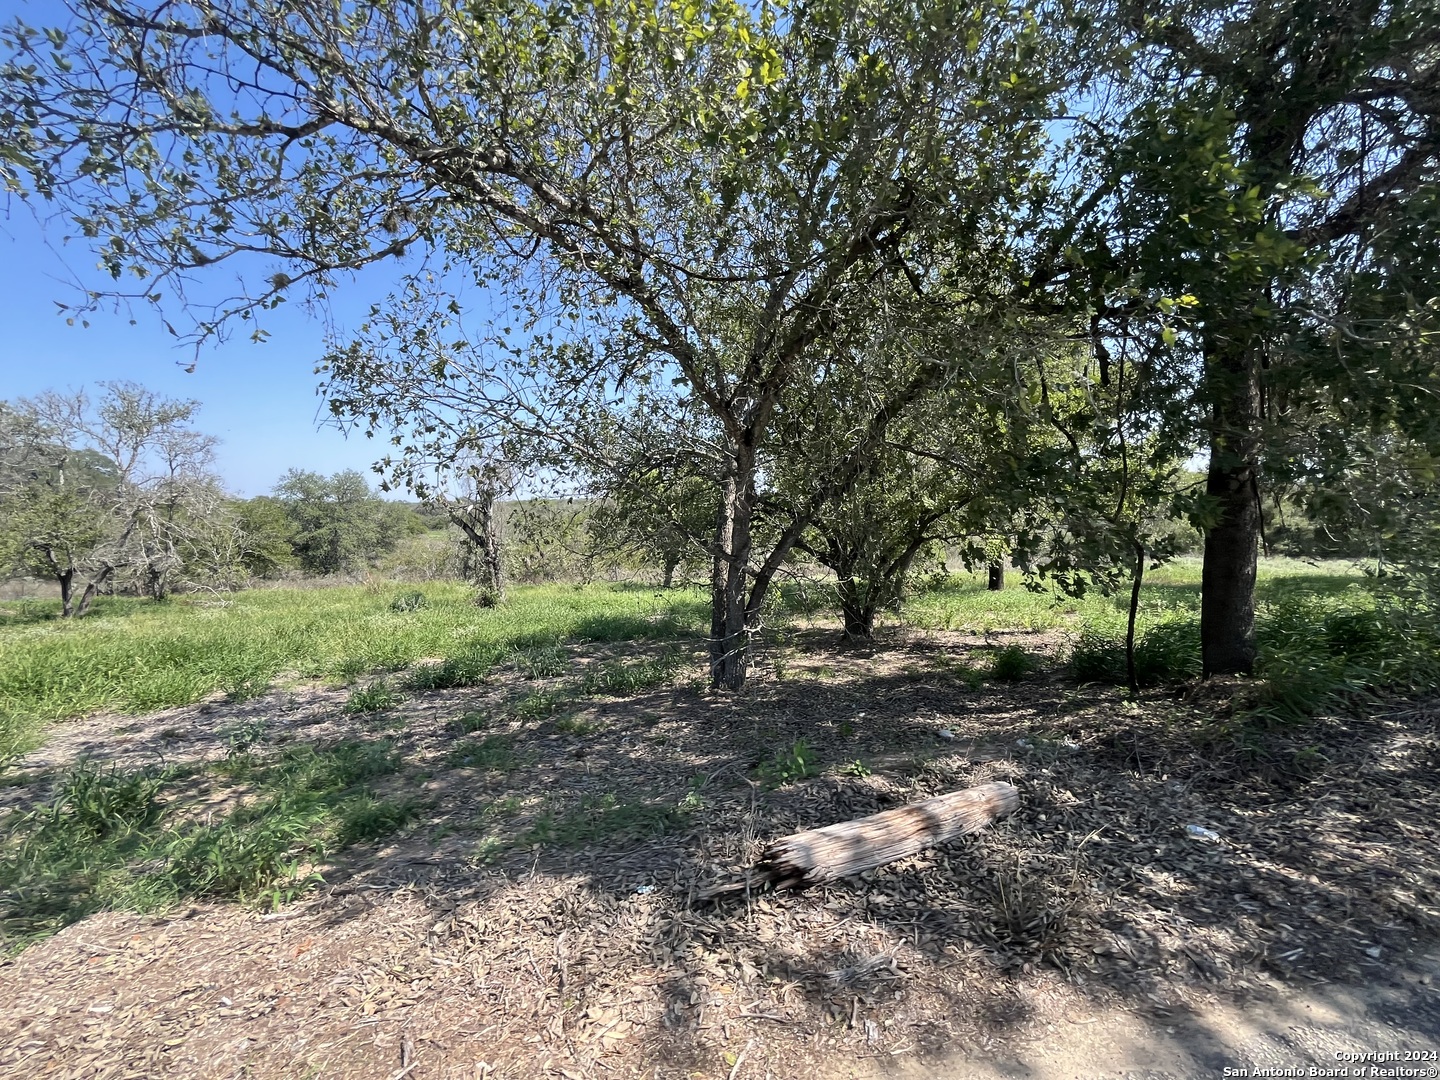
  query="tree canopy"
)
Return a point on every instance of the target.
[{"x": 783, "y": 239}]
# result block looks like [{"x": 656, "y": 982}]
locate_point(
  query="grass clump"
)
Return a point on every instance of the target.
[
  {"x": 600, "y": 818},
  {"x": 620, "y": 677},
  {"x": 1166, "y": 652},
  {"x": 539, "y": 705},
  {"x": 540, "y": 661},
  {"x": 377, "y": 697},
  {"x": 103, "y": 804},
  {"x": 1011, "y": 664},
  {"x": 408, "y": 601},
  {"x": 500, "y": 809},
  {"x": 469, "y": 668},
  {"x": 574, "y": 725},
  {"x": 116, "y": 839},
  {"x": 1318, "y": 652},
  {"x": 363, "y": 817},
  {"x": 246, "y": 860},
  {"x": 470, "y": 722}
]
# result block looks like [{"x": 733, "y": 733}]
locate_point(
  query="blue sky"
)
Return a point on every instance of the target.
[{"x": 259, "y": 400}]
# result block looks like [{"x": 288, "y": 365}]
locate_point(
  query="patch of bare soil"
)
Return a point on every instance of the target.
[{"x": 544, "y": 919}]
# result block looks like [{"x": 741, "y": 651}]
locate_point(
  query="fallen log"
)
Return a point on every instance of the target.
[{"x": 807, "y": 858}]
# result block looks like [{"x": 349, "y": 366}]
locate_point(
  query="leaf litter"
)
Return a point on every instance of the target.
[{"x": 543, "y": 919}]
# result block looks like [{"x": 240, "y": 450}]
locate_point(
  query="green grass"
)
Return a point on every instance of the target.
[
  {"x": 540, "y": 661},
  {"x": 601, "y": 818},
  {"x": 1316, "y": 649},
  {"x": 135, "y": 656},
  {"x": 621, "y": 677},
  {"x": 1011, "y": 664},
  {"x": 964, "y": 604},
  {"x": 116, "y": 839},
  {"x": 539, "y": 705},
  {"x": 470, "y": 722},
  {"x": 376, "y": 697}
]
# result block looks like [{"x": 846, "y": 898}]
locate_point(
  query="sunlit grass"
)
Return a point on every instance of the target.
[
  {"x": 115, "y": 839},
  {"x": 135, "y": 656},
  {"x": 964, "y": 604}
]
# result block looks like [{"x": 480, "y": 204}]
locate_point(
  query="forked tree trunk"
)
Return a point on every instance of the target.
[
  {"x": 1227, "y": 584},
  {"x": 92, "y": 590},
  {"x": 835, "y": 851}
]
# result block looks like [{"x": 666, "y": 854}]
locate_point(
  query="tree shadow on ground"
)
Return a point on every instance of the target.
[
  {"x": 1095, "y": 878},
  {"x": 553, "y": 901}
]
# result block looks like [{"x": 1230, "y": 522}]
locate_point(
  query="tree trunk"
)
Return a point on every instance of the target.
[
  {"x": 92, "y": 590},
  {"x": 1136, "y": 580},
  {"x": 995, "y": 579},
  {"x": 1227, "y": 584},
  {"x": 477, "y": 521},
  {"x": 67, "y": 580},
  {"x": 670, "y": 565},
  {"x": 729, "y": 631},
  {"x": 857, "y": 608},
  {"x": 835, "y": 851}
]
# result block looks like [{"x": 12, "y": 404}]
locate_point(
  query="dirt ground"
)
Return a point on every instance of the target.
[{"x": 1086, "y": 935}]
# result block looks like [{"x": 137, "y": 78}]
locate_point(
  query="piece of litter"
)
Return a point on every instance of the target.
[
  {"x": 1373, "y": 952},
  {"x": 1024, "y": 744},
  {"x": 945, "y": 733},
  {"x": 1199, "y": 832},
  {"x": 644, "y": 890}
]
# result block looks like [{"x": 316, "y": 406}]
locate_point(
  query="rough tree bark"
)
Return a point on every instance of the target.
[
  {"x": 729, "y": 626},
  {"x": 1227, "y": 584},
  {"x": 66, "y": 579},
  {"x": 857, "y": 608},
  {"x": 477, "y": 521}
]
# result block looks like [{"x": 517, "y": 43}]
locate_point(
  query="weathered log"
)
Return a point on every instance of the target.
[{"x": 835, "y": 851}]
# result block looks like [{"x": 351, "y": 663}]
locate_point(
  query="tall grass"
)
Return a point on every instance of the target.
[
  {"x": 1315, "y": 650},
  {"x": 962, "y": 602},
  {"x": 135, "y": 656},
  {"x": 116, "y": 839}
]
